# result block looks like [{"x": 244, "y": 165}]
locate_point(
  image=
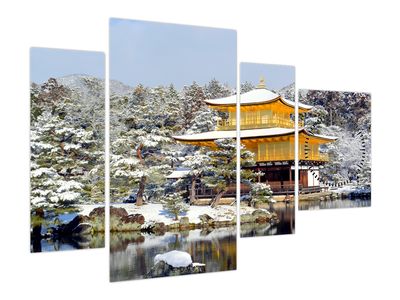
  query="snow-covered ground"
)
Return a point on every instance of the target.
[
  {"x": 249, "y": 210},
  {"x": 156, "y": 213}
]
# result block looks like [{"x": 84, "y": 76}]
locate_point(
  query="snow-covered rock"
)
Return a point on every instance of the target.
[
  {"x": 174, "y": 263},
  {"x": 176, "y": 259}
]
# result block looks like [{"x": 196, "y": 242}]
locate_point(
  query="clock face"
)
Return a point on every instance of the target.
[{"x": 348, "y": 157}]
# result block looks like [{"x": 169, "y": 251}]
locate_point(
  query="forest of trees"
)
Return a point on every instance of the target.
[
  {"x": 347, "y": 116},
  {"x": 142, "y": 123},
  {"x": 67, "y": 142}
]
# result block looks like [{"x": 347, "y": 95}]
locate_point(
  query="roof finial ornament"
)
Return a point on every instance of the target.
[{"x": 261, "y": 84}]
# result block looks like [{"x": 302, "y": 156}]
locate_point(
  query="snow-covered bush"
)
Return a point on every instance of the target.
[{"x": 260, "y": 193}]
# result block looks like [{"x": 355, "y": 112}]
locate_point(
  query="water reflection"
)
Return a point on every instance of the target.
[
  {"x": 132, "y": 254},
  {"x": 68, "y": 243},
  {"x": 316, "y": 205},
  {"x": 286, "y": 225}
]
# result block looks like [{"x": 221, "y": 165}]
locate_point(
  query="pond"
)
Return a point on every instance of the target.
[
  {"x": 81, "y": 242},
  {"x": 345, "y": 203},
  {"x": 286, "y": 224},
  {"x": 132, "y": 254}
]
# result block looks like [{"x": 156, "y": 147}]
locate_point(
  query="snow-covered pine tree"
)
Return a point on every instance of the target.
[
  {"x": 246, "y": 87},
  {"x": 67, "y": 157},
  {"x": 260, "y": 192},
  {"x": 222, "y": 168},
  {"x": 214, "y": 89},
  {"x": 221, "y": 171},
  {"x": 60, "y": 155},
  {"x": 174, "y": 112},
  {"x": 192, "y": 103},
  {"x": 174, "y": 204},
  {"x": 136, "y": 147},
  {"x": 198, "y": 165}
]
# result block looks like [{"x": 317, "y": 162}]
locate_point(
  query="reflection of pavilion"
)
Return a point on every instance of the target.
[{"x": 267, "y": 129}]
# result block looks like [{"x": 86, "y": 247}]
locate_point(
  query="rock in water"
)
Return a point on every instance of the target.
[
  {"x": 175, "y": 258},
  {"x": 69, "y": 228},
  {"x": 174, "y": 263},
  {"x": 82, "y": 229}
]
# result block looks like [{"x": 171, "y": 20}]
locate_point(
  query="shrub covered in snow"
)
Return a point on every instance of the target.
[{"x": 260, "y": 192}]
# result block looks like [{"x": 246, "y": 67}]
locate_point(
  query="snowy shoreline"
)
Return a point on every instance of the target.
[{"x": 155, "y": 213}]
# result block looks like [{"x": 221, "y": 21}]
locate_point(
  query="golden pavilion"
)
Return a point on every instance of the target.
[{"x": 267, "y": 128}]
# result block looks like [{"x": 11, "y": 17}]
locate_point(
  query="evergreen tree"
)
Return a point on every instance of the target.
[
  {"x": 137, "y": 148},
  {"x": 198, "y": 165},
  {"x": 246, "y": 87},
  {"x": 214, "y": 90},
  {"x": 173, "y": 203},
  {"x": 260, "y": 192},
  {"x": 192, "y": 103}
]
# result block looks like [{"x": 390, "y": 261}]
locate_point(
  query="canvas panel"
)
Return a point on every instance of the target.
[
  {"x": 172, "y": 176},
  {"x": 335, "y": 152},
  {"x": 67, "y": 149}
]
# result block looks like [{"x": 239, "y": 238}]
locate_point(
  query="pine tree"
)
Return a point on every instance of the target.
[
  {"x": 67, "y": 152},
  {"x": 192, "y": 103},
  {"x": 173, "y": 203},
  {"x": 246, "y": 87},
  {"x": 60, "y": 155},
  {"x": 260, "y": 192},
  {"x": 198, "y": 165},
  {"x": 214, "y": 89},
  {"x": 222, "y": 168},
  {"x": 136, "y": 148}
]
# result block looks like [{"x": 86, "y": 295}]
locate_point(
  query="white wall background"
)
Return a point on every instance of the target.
[{"x": 335, "y": 254}]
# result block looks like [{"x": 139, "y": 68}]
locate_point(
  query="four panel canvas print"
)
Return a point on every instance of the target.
[
  {"x": 176, "y": 120},
  {"x": 335, "y": 150},
  {"x": 67, "y": 149},
  {"x": 172, "y": 172}
]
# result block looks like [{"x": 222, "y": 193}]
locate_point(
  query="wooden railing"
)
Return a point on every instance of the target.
[
  {"x": 284, "y": 156},
  {"x": 228, "y": 124},
  {"x": 278, "y": 188}
]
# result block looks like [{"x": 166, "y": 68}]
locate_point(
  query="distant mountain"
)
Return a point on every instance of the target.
[
  {"x": 288, "y": 92},
  {"x": 86, "y": 83},
  {"x": 119, "y": 88},
  {"x": 87, "y": 87}
]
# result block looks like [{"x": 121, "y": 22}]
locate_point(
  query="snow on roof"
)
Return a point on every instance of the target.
[
  {"x": 244, "y": 134},
  {"x": 325, "y": 137},
  {"x": 256, "y": 96},
  {"x": 178, "y": 174}
]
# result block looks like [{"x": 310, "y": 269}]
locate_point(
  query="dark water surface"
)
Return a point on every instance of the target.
[
  {"x": 65, "y": 243},
  {"x": 132, "y": 254},
  {"x": 286, "y": 225},
  {"x": 82, "y": 242},
  {"x": 316, "y": 205}
]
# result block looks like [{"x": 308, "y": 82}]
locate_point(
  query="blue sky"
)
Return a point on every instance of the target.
[
  {"x": 49, "y": 62},
  {"x": 155, "y": 54},
  {"x": 276, "y": 76}
]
